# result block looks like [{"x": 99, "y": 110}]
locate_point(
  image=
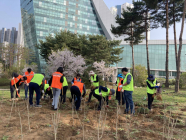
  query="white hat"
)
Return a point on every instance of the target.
[{"x": 91, "y": 72}]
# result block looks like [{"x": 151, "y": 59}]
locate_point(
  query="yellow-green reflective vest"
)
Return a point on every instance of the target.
[
  {"x": 104, "y": 94},
  {"x": 46, "y": 87},
  {"x": 129, "y": 87},
  {"x": 93, "y": 78},
  {"x": 38, "y": 78},
  {"x": 65, "y": 83},
  {"x": 118, "y": 82},
  {"x": 152, "y": 84}
]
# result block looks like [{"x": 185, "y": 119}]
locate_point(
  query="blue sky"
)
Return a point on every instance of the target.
[{"x": 10, "y": 15}]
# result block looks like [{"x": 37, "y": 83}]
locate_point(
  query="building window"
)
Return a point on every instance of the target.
[
  {"x": 87, "y": 27},
  {"x": 79, "y": 12},
  {"x": 152, "y": 72},
  {"x": 40, "y": 3},
  {"x": 41, "y": 33},
  {"x": 174, "y": 74},
  {"x": 61, "y": 15},
  {"x": 85, "y": 20},
  {"x": 52, "y": 34},
  {"x": 85, "y": 33},
  {"x": 60, "y": 28},
  {"x": 162, "y": 73},
  {"x": 45, "y": 19},
  {"x": 65, "y": 2},
  {"x": 70, "y": 24},
  {"x": 74, "y": 18},
  {"x": 80, "y": 26},
  {"x": 86, "y": 8},
  {"x": 54, "y": 1}
]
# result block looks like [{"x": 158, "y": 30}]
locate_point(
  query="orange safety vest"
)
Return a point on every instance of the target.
[
  {"x": 16, "y": 79},
  {"x": 119, "y": 89},
  {"x": 76, "y": 81},
  {"x": 79, "y": 85},
  {"x": 56, "y": 76},
  {"x": 29, "y": 76}
]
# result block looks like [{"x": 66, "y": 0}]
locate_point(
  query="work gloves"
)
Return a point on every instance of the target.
[
  {"x": 92, "y": 81},
  {"x": 27, "y": 84},
  {"x": 17, "y": 89},
  {"x": 43, "y": 91},
  {"x": 120, "y": 86},
  {"x": 100, "y": 94}
]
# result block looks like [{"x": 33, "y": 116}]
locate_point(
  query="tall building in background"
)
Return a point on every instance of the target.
[{"x": 43, "y": 17}]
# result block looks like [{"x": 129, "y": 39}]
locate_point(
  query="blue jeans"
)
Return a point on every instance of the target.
[
  {"x": 26, "y": 91},
  {"x": 129, "y": 101},
  {"x": 34, "y": 87}
]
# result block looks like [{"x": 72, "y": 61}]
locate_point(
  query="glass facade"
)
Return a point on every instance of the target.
[
  {"x": 157, "y": 58},
  {"x": 43, "y": 17}
]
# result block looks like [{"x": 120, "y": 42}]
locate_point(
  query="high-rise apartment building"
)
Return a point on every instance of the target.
[{"x": 43, "y": 17}]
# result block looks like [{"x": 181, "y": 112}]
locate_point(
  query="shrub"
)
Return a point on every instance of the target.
[
  {"x": 4, "y": 82},
  {"x": 140, "y": 75},
  {"x": 183, "y": 80}
]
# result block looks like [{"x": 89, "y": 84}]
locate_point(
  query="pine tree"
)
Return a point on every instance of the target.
[{"x": 130, "y": 25}]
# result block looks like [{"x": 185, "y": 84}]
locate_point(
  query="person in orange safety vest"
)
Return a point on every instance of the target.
[
  {"x": 56, "y": 82},
  {"x": 76, "y": 91},
  {"x": 76, "y": 79},
  {"x": 119, "y": 91},
  {"x": 29, "y": 74}
]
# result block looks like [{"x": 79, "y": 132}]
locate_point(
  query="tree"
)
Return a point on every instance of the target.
[
  {"x": 71, "y": 64},
  {"x": 91, "y": 47},
  {"x": 146, "y": 10},
  {"x": 129, "y": 25},
  {"x": 98, "y": 48},
  {"x": 104, "y": 70},
  {"x": 180, "y": 49}
]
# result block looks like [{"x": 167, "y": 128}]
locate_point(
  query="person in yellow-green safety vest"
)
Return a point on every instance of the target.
[
  {"x": 64, "y": 91},
  {"x": 34, "y": 85},
  {"x": 151, "y": 90},
  {"x": 128, "y": 88},
  {"x": 101, "y": 94},
  {"x": 94, "y": 82},
  {"x": 48, "y": 91}
]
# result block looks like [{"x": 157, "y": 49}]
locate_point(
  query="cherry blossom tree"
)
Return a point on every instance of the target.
[
  {"x": 103, "y": 70},
  {"x": 71, "y": 64}
]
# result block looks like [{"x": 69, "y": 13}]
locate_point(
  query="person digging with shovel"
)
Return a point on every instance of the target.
[
  {"x": 101, "y": 94},
  {"x": 16, "y": 82},
  {"x": 151, "y": 90}
]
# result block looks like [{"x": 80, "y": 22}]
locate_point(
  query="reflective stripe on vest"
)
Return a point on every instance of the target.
[
  {"x": 93, "y": 78},
  {"x": 29, "y": 76},
  {"x": 76, "y": 80},
  {"x": 79, "y": 85},
  {"x": 56, "y": 76},
  {"x": 65, "y": 83},
  {"x": 119, "y": 89},
  {"x": 151, "y": 91},
  {"x": 129, "y": 87},
  {"x": 38, "y": 78},
  {"x": 16, "y": 79},
  {"x": 104, "y": 94}
]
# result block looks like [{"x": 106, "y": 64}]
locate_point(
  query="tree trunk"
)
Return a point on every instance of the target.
[
  {"x": 167, "y": 45},
  {"x": 180, "y": 47},
  {"x": 133, "y": 66},
  {"x": 147, "y": 49},
  {"x": 175, "y": 43}
]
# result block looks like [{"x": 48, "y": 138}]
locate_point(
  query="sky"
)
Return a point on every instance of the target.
[{"x": 10, "y": 16}]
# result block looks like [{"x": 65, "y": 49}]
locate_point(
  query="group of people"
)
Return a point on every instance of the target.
[{"x": 57, "y": 87}]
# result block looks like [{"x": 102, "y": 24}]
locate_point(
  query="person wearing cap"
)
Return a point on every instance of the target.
[
  {"x": 119, "y": 91},
  {"x": 34, "y": 85},
  {"x": 94, "y": 83},
  {"x": 128, "y": 88},
  {"x": 103, "y": 92},
  {"x": 29, "y": 74},
  {"x": 151, "y": 90},
  {"x": 16, "y": 82},
  {"x": 56, "y": 82},
  {"x": 76, "y": 79},
  {"x": 76, "y": 91}
]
